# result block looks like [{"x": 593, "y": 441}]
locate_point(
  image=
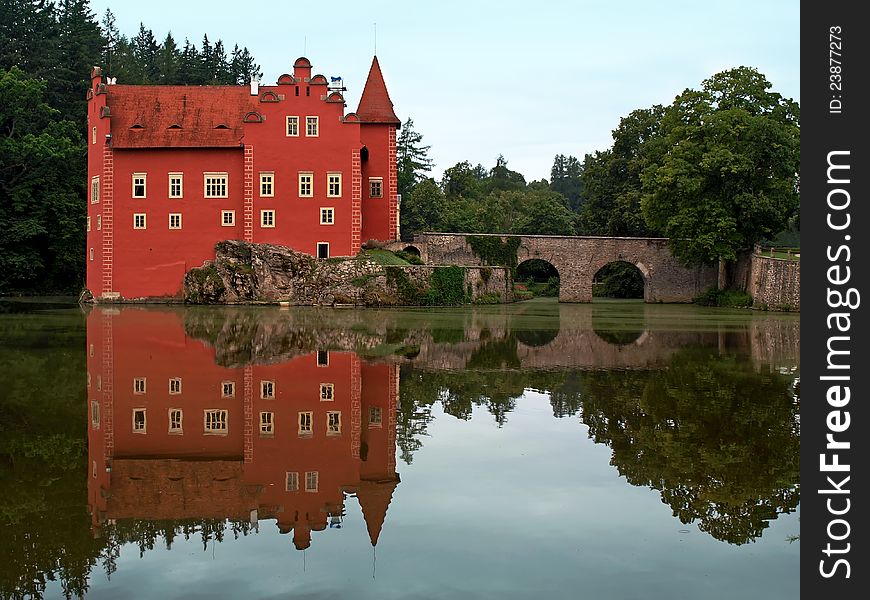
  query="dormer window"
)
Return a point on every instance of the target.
[
  {"x": 221, "y": 126},
  {"x": 174, "y": 126},
  {"x": 137, "y": 126}
]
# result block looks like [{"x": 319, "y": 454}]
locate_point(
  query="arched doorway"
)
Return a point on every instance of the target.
[
  {"x": 621, "y": 280},
  {"x": 412, "y": 250},
  {"x": 536, "y": 278}
]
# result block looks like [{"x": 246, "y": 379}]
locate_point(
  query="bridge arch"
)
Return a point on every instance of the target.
[
  {"x": 541, "y": 274},
  {"x": 622, "y": 279}
]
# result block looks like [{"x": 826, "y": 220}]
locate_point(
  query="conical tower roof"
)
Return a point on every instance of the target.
[
  {"x": 375, "y": 105},
  {"x": 374, "y": 498}
]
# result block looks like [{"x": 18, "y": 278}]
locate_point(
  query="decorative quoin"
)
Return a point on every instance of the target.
[{"x": 173, "y": 170}]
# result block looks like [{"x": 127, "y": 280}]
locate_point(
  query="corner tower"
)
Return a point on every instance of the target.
[{"x": 378, "y": 125}]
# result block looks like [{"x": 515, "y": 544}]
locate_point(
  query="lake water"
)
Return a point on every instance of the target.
[{"x": 612, "y": 450}]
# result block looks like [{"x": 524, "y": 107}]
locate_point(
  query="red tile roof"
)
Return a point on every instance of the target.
[
  {"x": 150, "y": 116},
  {"x": 375, "y": 105}
]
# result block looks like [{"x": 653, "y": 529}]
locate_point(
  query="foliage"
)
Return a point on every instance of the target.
[
  {"x": 723, "y": 298},
  {"x": 42, "y": 221},
  {"x": 612, "y": 178},
  {"x": 447, "y": 287},
  {"x": 618, "y": 280},
  {"x": 422, "y": 209},
  {"x": 495, "y": 250},
  {"x": 412, "y": 159},
  {"x": 566, "y": 178},
  {"x": 729, "y": 175}
]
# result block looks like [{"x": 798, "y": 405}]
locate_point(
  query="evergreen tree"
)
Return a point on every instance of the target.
[
  {"x": 168, "y": 61},
  {"x": 566, "y": 178},
  {"x": 145, "y": 50},
  {"x": 412, "y": 158}
]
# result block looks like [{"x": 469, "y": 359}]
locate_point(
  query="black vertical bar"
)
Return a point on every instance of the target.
[{"x": 835, "y": 228}]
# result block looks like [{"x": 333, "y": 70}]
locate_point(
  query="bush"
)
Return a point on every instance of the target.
[{"x": 724, "y": 298}]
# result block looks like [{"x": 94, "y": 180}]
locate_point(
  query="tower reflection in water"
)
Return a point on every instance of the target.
[{"x": 174, "y": 437}]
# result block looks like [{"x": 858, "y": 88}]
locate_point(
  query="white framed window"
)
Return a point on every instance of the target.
[
  {"x": 99, "y": 222},
  {"x": 327, "y": 216},
  {"x": 311, "y": 478},
  {"x": 322, "y": 249},
  {"x": 95, "y": 414},
  {"x": 94, "y": 135},
  {"x": 139, "y": 384},
  {"x": 267, "y": 218},
  {"x": 267, "y": 390},
  {"x": 91, "y": 351},
  {"x": 333, "y": 185},
  {"x": 267, "y": 423},
  {"x": 305, "y": 422},
  {"x": 176, "y": 421},
  {"x": 228, "y": 218},
  {"x": 215, "y": 422},
  {"x": 228, "y": 389},
  {"x": 312, "y": 126},
  {"x": 99, "y": 382},
  {"x": 139, "y": 187},
  {"x": 140, "y": 423},
  {"x": 91, "y": 254},
  {"x": 323, "y": 358},
  {"x": 327, "y": 392},
  {"x": 175, "y": 385},
  {"x": 95, "y": 189},
  {"x": 376, "y": 187},
  {"x": 375, "y": 416},
  {"x": 292, "y": 126},
  {"x": 333, "y": 422},
  {"x": 176, "y": 185},
  {"x": 306, "y": 185},
  {"x": 215, "y": 185},
  {"x": 174, "y": 220},
  {"x": 292, "y": 481},
  {"x": 267, "y": 184},
  {"x": 139, "y": 221},
  {"x": 89, "y": 224}
]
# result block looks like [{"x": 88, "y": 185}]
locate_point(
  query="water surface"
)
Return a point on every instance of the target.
[{"x": 612, "y": 450}]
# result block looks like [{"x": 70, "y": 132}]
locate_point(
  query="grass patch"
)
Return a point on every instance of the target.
[{"x": 384, "y": 257}]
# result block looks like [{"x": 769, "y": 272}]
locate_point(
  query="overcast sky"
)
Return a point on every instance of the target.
[{"x": 481, "y": 78}]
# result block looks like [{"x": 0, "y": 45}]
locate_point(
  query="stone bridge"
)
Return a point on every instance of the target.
[{"x": 578, "y": 259}]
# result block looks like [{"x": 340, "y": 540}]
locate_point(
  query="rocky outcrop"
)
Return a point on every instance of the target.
[{"x": 244, "y": 273}]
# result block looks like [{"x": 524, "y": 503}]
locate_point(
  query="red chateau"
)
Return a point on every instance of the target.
[
  {"x": 173, "y": 435},
  {"x": 175, "y": 169}
]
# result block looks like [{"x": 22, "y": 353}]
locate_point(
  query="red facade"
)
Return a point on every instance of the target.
[
  {"x": 155, "y": 454},
  {"x": 172, "y": 170}
]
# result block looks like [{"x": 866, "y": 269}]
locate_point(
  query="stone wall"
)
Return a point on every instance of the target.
[
  {"x": 578, "y": 259},
  {"x": 775, "y": 283}
]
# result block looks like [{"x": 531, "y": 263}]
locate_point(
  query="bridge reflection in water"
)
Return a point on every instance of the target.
[{"x": 202, "y": 416}]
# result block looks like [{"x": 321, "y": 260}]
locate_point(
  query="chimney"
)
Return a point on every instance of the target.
[{"x": 255, "y": 86}]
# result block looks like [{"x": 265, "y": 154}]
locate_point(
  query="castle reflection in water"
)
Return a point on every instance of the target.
[
  {"x": 203, "y": 416},
  {"x": 173, "y": 435}
]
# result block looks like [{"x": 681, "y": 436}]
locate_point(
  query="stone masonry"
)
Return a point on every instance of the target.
[{"x": 578, "y": 259}]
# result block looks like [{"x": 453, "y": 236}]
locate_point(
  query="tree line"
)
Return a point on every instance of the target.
[
  {"x": 716, "y": 171},
  {"x": 47, "y": 49}
]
